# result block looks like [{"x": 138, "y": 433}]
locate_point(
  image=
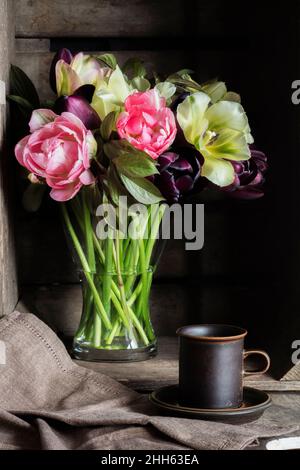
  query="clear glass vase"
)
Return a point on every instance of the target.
[{"x": 116, "y": 267}]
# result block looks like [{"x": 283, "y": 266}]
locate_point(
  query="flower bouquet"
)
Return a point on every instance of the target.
[{"x": 114, "y": 138}]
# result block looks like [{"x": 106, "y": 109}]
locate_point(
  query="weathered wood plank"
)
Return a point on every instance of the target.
[
  {"x": 112, "y": 18},
  {"x": 34, "y": 56},
  {"x": 8, "y": 283},
  {"x": 37, "y": 64}
]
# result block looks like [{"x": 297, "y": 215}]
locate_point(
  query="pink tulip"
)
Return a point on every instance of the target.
[
  {"x": 58, "y": 150},
  {"x": 147, "y": 123}
]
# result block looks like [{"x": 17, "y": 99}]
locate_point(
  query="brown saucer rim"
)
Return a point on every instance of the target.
[{"x": 213, "y": 412}]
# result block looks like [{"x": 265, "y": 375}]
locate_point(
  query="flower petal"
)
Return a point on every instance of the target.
[
  {"x": 67, "y": 80},
  {"x": 216, "y": 90},
  {"x": 19, "y": 149},
  {"x": 118, "y": 86},
  {"x": 184, "y": 183},
  {"x": 166, "y": 185},
  {"x": 65, "y": 194},
  {"x": 181, "y": 164},
  {"x": 191, "y": 116},
  {"x": 85, "y": 91},
  {"x": 88, "y": 69},
  {"x": 87, "y": 177},
  {"x": 79, "y": 107},
  {"x": 228, "y": 114},
  {"x": 40, "y": 117},
  {"x": 218, "y": 171},
  {"x": 62, "y": 54},
  {"x": 228, "y": 144},
  {"x": 166, "y": 159}
]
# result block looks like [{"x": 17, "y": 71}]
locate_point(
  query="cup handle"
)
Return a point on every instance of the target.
[{"x": 257, "y": 352}]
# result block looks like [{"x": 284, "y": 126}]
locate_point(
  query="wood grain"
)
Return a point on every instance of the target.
[
  {"x": 34, "y": 57},
  {"x": 113, "y": 18},
  {"x": 8, "y": 282},
  {"x": 163, "y": 370}
]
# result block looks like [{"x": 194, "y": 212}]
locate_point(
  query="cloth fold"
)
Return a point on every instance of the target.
[{"x": 49, "y": 402}]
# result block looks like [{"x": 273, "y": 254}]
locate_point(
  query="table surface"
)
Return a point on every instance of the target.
[{"x": 162, "y": 370}]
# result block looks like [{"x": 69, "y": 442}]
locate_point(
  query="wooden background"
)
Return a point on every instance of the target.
[
  {"x": 248, "y": 270},
  {"x": 8, "y": 275}
]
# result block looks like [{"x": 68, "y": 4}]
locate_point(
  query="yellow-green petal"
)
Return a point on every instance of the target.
[
  {"x": 227, "y": 114},
  {"x": 118, "y": 86},
  {"x": 216, "y": 90},
  {"x": 87, "y": 68},
  {"x": 191, "y": 116},
  {"x": 219, "y": 172},
  {"x": 67, "y": 80},
  {"x": 111, "y": 94},
  {"x": 228, "y": 144}
]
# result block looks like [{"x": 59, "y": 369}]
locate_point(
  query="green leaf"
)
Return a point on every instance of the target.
[
  {"x": 135, "y": 67},
  {"x": 129, "y": 160},
  {"x": 33, "y": 196},
  {"x": 183, "y": 73},
  {"x": 108, "y": 59},
  {"x": 22, "y": 102},
  {"x": 187, "y": 84},
  {"x": 49, "y": 104},
  {"x": 108, "y": 125},
  {"x": 112, "y": 149},
  {"x": 115, "y": 188},
  {"x": 22, "y": 86},
  {"x": 137, "y": 164},
  {"x": 142, "y": 190}
]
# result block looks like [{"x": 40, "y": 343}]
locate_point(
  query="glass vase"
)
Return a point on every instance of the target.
[{"x": 116, "y": 261}]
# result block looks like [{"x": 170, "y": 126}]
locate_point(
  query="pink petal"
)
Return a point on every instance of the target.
[
  {"x": 58, "y": 164},
  {"x": 19, "y": 149},
  {"x": 87, "y": 177},
  {"x": 134, "y": 126},
  {"x": 65, "y": 194}
]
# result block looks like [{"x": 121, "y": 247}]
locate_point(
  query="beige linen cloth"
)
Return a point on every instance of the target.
[{"x": 48, "y": 402}]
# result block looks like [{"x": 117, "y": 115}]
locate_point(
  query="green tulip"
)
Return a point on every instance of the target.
[
  {"x": 111, "y": 93},
  {"x": 219, "y": 131}
]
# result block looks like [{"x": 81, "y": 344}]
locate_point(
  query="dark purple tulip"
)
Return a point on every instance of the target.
[
  {"x": 249, "y": 177},
  {"x": 62, "y": 54},
  {"x": 177, "y": 174},
  {"x": 85, "y": 91},
  {"x": 81, "y": 108}
]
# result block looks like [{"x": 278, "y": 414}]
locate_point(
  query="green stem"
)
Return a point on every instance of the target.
[
  {"x": 107, "y": 275},
  {"x": 86, "y": 268},
  {"x": 97, "y": 330},
  {"x": 88, "y": 232}
]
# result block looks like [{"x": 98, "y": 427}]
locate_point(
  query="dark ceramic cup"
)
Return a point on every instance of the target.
[{"x": 211, "y": 366}]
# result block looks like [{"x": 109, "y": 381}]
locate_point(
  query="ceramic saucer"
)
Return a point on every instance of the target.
[{"x": 255, "y": 402}]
